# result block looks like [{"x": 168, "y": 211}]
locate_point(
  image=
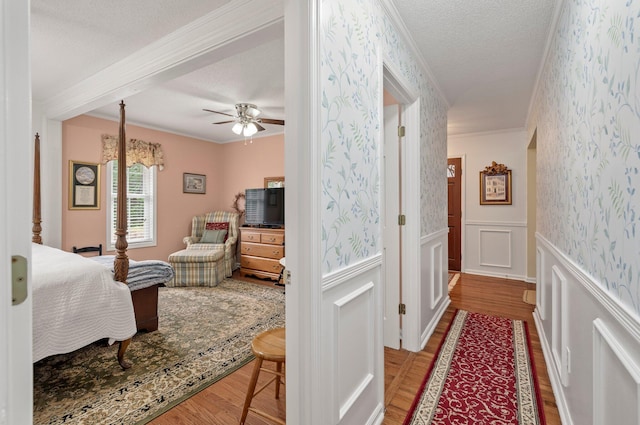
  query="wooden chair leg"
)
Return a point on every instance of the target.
[
  {"x": 251, "y": 389},
  {"x": 278, "y": 379}
]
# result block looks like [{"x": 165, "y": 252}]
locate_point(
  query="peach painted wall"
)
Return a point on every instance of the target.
[
  {"x": 229, "y": 168},
  {"x": 246, "y": 166}
]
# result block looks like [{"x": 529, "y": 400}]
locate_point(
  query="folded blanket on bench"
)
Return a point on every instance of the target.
[{"x": 142, "y": 274}]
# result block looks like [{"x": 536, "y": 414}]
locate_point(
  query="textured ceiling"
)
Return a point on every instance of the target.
[
  {"x": 483, "y": 54},
  {"x": 73, "y": 39}
]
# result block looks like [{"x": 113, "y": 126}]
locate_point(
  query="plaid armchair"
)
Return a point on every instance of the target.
[{"x": 199, "y": 224}]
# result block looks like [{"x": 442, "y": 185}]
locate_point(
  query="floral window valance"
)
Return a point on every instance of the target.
[{"x": 138, "y": 152}]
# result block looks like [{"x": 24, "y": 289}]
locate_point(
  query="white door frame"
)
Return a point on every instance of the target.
[
  {"x": 185, "y": 50},
  {"x": 395, "y": 84},
  {"x": 305, "y": 397},
  {"x": 16, "y": 390}
]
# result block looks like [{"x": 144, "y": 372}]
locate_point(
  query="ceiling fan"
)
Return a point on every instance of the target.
[{"x": 246, "y": 119}]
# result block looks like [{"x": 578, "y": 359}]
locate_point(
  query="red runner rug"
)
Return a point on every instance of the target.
[{"x": 482, "y": 374}]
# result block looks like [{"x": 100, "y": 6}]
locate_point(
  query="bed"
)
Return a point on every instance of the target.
[
  {"x": 143, "y": 279},
  {"x": 144, "y": 276},
  {"x": 76, "y": 300}
]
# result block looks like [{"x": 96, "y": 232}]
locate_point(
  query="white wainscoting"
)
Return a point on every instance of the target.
[
  {"x": 540, "y": 284},
  {"x": 354, "y": 341},
  {"x": 616, "y": 379},
  {"x": 352, "y": 334},
  {"x": 559, "y": 324},
  {"x": 433, "y": 296},
  {"x": 590, "y": 341},
  {"x": 494, "y": 248},
  {"x": 437, "y": 277}
]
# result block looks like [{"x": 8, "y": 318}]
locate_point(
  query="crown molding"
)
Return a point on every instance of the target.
[
  {"x": 486, "y": 133},
  {"x": 545, "y": 57},
  {"x": 391, "y": 11}
]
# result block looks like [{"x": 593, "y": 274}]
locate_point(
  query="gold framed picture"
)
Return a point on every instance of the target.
[
  {"x": 273, "y": 182},
  {"x": 84, "y": 185},
  {"x": 495, "y": 185}
]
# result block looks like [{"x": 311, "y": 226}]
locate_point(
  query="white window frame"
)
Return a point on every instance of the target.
[{"x": 111, "y": 217}]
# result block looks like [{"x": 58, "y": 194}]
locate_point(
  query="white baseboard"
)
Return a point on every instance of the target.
[
  {"x": 554, "y": 377},
  {"x": 498, "y": 275},
  {"x": 429, "y": 330}
]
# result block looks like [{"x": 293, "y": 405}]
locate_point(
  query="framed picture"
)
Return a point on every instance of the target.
[
  {"x": 495, "y": 185},
  {"x": 84, "y": 186},
  {"x": 273, "y": 182},
  {"x": 194, "y": 183}
]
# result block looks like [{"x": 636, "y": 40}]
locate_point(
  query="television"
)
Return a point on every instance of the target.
[{"x": 264, "y": 207}]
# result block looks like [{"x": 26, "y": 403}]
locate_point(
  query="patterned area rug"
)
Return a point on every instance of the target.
[
  {"x": 482, "y": 374},
  {"x": 204, "y": 334}
]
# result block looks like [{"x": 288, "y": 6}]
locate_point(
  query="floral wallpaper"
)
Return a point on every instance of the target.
[
  {"x": 588, "y": 132},
  {"x": 354, "y": 36}
]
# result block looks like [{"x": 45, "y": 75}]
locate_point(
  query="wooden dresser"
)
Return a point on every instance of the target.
[{"x": 260, "y": 252}]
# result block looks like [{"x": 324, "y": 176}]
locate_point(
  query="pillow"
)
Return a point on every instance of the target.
[
  {"x": 213, "y": 236},
  {"x": 219, "y": 226}
]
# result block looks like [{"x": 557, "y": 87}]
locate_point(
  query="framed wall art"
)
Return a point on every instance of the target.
[
  {"x": 194, "y": 183},
  {"x": 273, "y": 182},
  {"x": 495, "y": 185},
  {"x": 84, "y": 186}
]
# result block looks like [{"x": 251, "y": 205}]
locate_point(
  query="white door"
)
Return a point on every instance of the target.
[
  {"x": 391, "y": 230},
  {"x": 15, "y": 211}
]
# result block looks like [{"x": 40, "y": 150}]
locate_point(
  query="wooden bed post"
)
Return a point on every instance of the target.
[
  {"x": 36, "y": 229},
  {"x": 121, "y": 262}
]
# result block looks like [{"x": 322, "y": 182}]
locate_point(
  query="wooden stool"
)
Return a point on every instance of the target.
[{"x": 268, "y": 345}]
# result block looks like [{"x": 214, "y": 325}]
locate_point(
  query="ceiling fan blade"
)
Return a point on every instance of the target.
[
  {"x": 217, "y": 112},
  {"x": 223, "y": 122},
  {"x": 259, "y": 127},
  {"x": 271, "y": 121}
]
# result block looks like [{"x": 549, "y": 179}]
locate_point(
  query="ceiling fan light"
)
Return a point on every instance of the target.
[
  {"x": 237, "y": 128},
  {"x": 252, "y": 112},
  {"x": 250, "y": 129}
]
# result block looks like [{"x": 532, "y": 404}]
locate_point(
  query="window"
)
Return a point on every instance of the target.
[{"x": 141, "y": 205}]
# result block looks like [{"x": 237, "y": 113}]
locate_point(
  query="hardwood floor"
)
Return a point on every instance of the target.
[
  {"x": 405, "y": 371},
  {"x": 221, "y": 403}
]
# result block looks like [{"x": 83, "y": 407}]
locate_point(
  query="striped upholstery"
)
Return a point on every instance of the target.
[
  {"x": 198, "y": 224},
  {"x": 197, "y": 267}
]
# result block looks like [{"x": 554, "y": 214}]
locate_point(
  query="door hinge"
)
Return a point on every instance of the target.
[
  {"x": 401, "y": 131},
  {"x": 402, "y": 220},
  {"x": 402, "y": 309}
]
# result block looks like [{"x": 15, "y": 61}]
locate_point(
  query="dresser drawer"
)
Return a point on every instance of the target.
[
  {"x": 272, "y": 238},
  {"x": 250, "y": 236},
  {"x": 259, "y": 250},
  {"x": 258, "y": 263}
]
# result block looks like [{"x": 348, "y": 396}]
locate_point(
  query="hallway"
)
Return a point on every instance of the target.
[{"x": 404, "y": 371}]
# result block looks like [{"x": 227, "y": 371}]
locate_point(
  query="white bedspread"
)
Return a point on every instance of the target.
[{"x": 76, "y": 302}]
